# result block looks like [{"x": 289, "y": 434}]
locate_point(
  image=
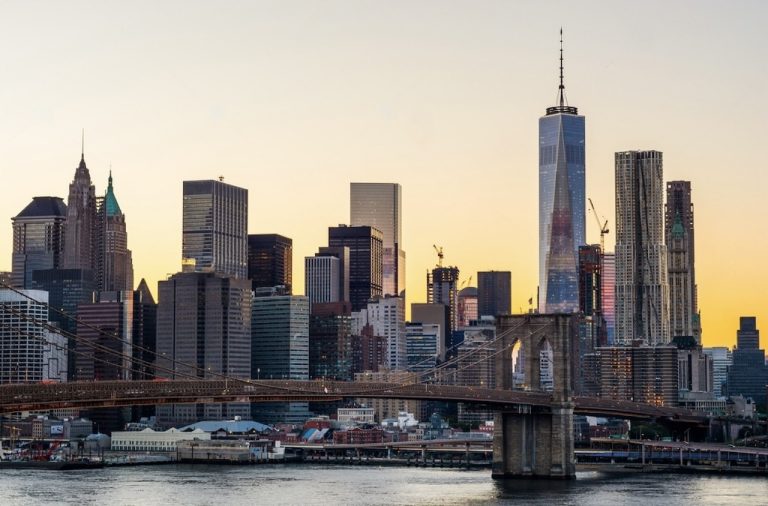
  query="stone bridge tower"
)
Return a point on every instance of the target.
[{"x": 535, "y": 354}]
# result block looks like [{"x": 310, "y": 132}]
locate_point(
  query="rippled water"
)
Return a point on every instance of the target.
[{"x": 309, "y": 484}]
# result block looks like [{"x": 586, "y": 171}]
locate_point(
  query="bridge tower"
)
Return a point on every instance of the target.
[{"x": 532, "y": 441}]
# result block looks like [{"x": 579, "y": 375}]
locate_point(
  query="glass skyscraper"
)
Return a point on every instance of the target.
[
  {"x": 215, "y": 227},
  {"x": 561, "y": 204}
]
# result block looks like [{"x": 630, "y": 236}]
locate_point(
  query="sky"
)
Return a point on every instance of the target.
[{"x": 296, "y": 99}]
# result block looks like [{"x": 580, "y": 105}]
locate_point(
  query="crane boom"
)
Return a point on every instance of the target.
[
  {"x": 439, "y": 255},
  {"x": 602, "y": 227}
]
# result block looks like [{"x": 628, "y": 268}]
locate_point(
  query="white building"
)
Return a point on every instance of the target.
[
  {"x": 721, "y": 361},
  {"x": 149, "y": 440},
  {"x": 355, "y": 415},
  {"x": 386, "y": 315},
  {"x": 29, "y": 353},
  {"x": 321, "y": 281}
]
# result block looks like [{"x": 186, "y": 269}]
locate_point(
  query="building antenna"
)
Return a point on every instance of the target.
[
  {"x": 562, "y": 86},
  {"x": 82, "y": 145}
]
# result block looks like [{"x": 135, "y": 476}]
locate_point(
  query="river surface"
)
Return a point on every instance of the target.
[{"x": 313, "y": 484}]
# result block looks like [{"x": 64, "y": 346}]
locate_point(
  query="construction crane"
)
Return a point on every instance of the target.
[
  {"x": 439, "y": 255},
  {"x": 603, "y": 228}
]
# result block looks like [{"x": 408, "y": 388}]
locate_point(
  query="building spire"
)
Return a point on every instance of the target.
[
  {"x": 562, "y": 86},
  {"x": 82, "y": 145}
]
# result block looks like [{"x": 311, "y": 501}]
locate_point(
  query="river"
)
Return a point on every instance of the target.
[{"x": 314, "y": 484}]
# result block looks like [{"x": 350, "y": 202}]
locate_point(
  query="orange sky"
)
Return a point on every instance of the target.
[{"x": 294, "y": 100}]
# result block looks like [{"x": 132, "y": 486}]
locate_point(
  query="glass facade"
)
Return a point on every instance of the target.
[
  {"x": 38, "y": 239},
  {"x": 561, "y": 208},
  {"x": 215, "y": 227},
  {"x": 270, "y": 261},
  {"x": 365, "y": 261}
]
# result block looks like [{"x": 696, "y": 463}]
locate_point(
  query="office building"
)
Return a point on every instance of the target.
[
  {"x": 561, "y": 203},
  {"x": 386, "y": 317},
  {"x": 38, "y": 239},
  {"x": 642, "y": 292},
  {"x": 466, "y": 306},
  {"x": 442, "y": 288},
  {"x": 203, "y": 330},
  {"x": 643, "y": 374},
  {"x": 322, "y": 279},
  {"x": 422, "y": 346},
  {"x": 369, "y": 351},
  {"x": 79, "y": 241},
  {"x": 436, "y": 314},
  {"x": 379, "y": 205},
  {"x": 591, "y": 321},
  {"x": 29, "y": 353},
  {"x": 607, "y": 294},
  {"x": 144, "y": 332},
  {"x": 494, "y": 293},
  {"x": 330, "y": 341},
  {"x": 721, "y": 361},
  {"x": 280, "y": 333},
  {"x": 476, "y": 367},
  {"x": 747, "y": 376},
  {"x": 678, "y": 234},
  {"x": 113, "y": 260},
  {"x": 215, "y": 228},
  {"x": 270, "y": 261},
  {"x": 365, "y": 245}
]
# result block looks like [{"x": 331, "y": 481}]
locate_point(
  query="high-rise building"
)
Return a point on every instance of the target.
[
  {"x": 79, "y": 243},
  {"x": 280, "y": 333},
  {"x": 678, "y": 233},
  {"x": 642, "y": 292},
  {"x": 203, "y": 329},
  {"x": 466, "y": 306},
  {"x": 437, "y": 314},
  {"x": 215, "y": 227},
  {"x": 113, "y": 260},
  {"x": 422, "y": 342},
  {"x": 748, "y": 376},
  {"x": 330, "y": 341},
  {"x": 607, "y": 294},
  {"x": 476, "y": 367},
  {"x": 144, "y": 332},
  {"x": 561, "y": 203},
  {"x": 379, "y": 205},
  {"x": 365, "y": 245},
  {"x": 494, "y": 293},
  {"x": 386, "y": 317},
  {"x": 321, "y": 279},
  {"x": 270, "y": 261},
  {"x": 29, "y": 353},
  {"x": 721, "y": 361},
  {"x": 643, "y": 374},
  {"x": 342, "y": 253},
  {"x": 38, "y": 239},
  {"x": 442, "y": 288},
  {"x": 369, "y": 351}
]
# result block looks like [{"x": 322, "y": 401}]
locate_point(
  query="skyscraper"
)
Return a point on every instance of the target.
[
  {"x": 379, "y": 205},
  {"x": 114, "y": 262},
  {"x": 79, "y": 243},
  {"x": 678, "y": 233},
  {"x": 466, "y": 306},
  {"x": 321, "y": 279},
  {"x": 442, "y": 288},
  {"x": 494, "y": 293},
  {"x": 215, "y": 227},
  {"x": 365, "y": 261},
  {"x": 607, "y": 292},
  {"x": 38, "y": 239},
  {"x": 386, "y": 318},
  {"x": 203, "y": 329},
  {"x": 642, "y": 292},
  {"x": 330, "y": 341},
  {"x": 270, "y": 261},
  {"x": 561, "y": 203},
  {"x": 747, "y": 375}
]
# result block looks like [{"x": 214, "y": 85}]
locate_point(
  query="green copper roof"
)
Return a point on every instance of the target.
[
  {"x": 677, "y": 227},
  {"x": 113, "y": 208}
]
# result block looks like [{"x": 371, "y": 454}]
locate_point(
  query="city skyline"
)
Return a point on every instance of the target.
[{"x": 475, "y": 133}]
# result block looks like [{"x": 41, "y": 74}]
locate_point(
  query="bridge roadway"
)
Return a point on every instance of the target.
[{"x": 99, "y": 394}]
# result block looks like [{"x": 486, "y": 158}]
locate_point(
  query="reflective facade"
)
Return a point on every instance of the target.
[
  {"x": 270, "y": 261},
  {"x": 494, "y": 293},
  {"x": 365, "y": 245},
  {"x": 379, "y": 205},
  {"x": 215, "y": 227},
  {"x": 561, "y": 208}
]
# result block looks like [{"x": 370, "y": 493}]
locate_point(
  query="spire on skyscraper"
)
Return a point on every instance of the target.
[
  {"x": 562, "y": 103},
  {"x": 562, "y": 86}
]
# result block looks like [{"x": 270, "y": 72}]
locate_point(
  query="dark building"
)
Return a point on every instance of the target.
[
  {"x": 113, "y": 260},
  {"x": 270, "y": 261},
  {"x": 203, "y": 330},
  {"x": 67, "y": 289},
  {"x": 494, "y": 293},
  {"x": 144, "y": 332},
  {"x": 79, "y": 243},
  {"x": 590, "y": 279},
  {"x": 215, "y": 227},
  {"x": 442, "y": 288},
  {"x": 365, "y": 261},
  {"x": 747, "y": 375},
  {"x": 369, "y": 351},
  {"x": 644, "y": 374},
  {"x": 330, "y": 341},
  {"x": 38, "y": 239}
]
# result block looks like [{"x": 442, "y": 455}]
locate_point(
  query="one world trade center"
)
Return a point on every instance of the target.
[{"x": 561, "y": 203}]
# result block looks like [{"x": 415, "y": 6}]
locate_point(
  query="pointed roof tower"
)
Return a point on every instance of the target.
[{"x": 110, "y": 201}]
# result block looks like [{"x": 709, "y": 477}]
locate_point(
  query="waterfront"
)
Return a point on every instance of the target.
[{"x": 310, "y": 484}]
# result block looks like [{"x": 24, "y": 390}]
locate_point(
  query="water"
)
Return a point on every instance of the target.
[{"x": 311, "y": 484}]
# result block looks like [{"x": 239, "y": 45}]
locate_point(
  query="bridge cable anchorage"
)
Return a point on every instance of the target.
[{"x": 133, "y": 346}]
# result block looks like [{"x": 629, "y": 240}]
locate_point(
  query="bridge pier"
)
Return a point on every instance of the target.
[{"x": 531, "y": 442}]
